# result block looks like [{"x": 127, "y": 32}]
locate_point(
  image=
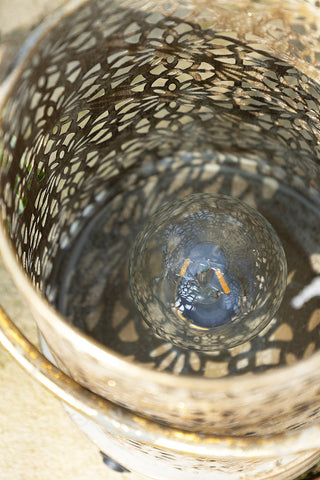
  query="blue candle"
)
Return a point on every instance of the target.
[{"x": 207, "y": 294}]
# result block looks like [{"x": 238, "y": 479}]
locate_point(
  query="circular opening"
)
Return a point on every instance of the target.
[{"x": 207, "y": 266}]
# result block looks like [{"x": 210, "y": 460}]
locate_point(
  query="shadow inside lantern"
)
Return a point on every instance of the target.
[
  {"x": 94, "y": 290},
  {"x": 123, "y": 113}
]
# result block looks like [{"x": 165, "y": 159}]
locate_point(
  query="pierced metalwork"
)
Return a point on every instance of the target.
[{"x": 122, "y": 107}]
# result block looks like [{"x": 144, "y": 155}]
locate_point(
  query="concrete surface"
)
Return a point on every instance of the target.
[{"x": 38, "y": 440}]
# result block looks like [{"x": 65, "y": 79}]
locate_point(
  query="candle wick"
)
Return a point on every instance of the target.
[{"x": 221, "y": 279}]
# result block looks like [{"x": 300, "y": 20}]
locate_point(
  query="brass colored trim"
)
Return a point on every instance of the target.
[{"x": 119, "y": 421}]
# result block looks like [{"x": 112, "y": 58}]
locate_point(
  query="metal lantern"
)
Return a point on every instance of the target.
[{"x": 112, "y": 109}]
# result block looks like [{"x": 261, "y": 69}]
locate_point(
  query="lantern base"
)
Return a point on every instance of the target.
[{"x": 138, "y": 461}]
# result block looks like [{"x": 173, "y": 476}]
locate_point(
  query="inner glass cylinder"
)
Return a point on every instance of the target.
[{"x": 207, "y": 272}]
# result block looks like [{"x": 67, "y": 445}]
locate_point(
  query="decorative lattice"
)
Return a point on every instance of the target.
[{"x": 115, "y": 101}]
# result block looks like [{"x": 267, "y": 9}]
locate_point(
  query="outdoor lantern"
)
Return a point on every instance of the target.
[{"x": 160, "y": 213}]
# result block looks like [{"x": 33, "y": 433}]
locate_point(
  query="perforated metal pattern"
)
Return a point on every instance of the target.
[
  {"x": 116, "y": 92},
  {"x": 101, "y": 94}
]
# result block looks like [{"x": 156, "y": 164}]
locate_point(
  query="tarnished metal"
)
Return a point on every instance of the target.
[
  {"x": 113, "y": 108},
  {"x": 120, "y": 428}
]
